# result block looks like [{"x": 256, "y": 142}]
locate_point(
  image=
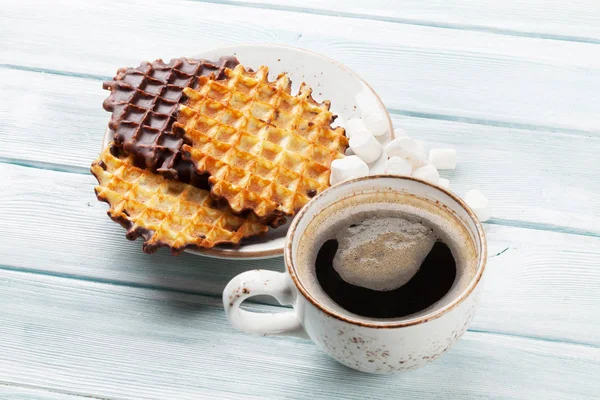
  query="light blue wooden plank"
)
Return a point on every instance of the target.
[
  {"x": 555, "y": 19},
  {"x": 137, "y": 343},
  {"x": 15, "y": 392},
  {"x": 541, "y": 177},
  {"x": 471, "y": 74},
  {"x": 51, "y": 119},
  {"x": 52, "y": 224},
  {"x": 112, "y": 341},
  {"x": 547, "y": 178}
]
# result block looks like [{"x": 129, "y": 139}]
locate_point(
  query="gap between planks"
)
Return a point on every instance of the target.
[
  {"x": 473, "y": 74},
  {"x": 24, "y": 391},
  {"x": 495, "y": 221},
  {"x": 217, "y": 297},
  {"x": 520, "y": 291},
  {"x": 405, "y": 21},
  {"x": 508, "y": 216},
  {"x": 392, "y": 111},
  {"x": 124, "y": 342}
]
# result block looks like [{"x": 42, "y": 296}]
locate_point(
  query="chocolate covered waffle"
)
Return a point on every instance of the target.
[
  {"x": 265, "y": 149},
  {"x": 144, "y": 102},
  {"x": 165, "y": 212}
]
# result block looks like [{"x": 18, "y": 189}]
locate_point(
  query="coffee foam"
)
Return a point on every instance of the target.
[
  {"x": 381, "y": 253},
  {"x": 329, "y": 223}
]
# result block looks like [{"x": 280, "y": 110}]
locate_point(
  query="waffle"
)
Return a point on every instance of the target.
[
  {"x": 265, "y": 149},
  {"x": 165, "y": 212},
  {"x": 144, "y": 101}
]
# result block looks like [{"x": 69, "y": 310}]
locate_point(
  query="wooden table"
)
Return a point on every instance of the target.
[{"x": 513, "y": 85}]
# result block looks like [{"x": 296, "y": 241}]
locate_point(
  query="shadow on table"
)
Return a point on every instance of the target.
[{"x": 187, "y": 274}]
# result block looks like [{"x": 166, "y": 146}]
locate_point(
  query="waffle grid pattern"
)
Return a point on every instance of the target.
[
  {"x": 144, "y": 102},
  {"x": 165, "y": 212},
  {"x": 265, "y": 149}
]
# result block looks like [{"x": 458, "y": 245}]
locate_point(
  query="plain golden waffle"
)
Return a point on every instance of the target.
[
  {"x": 265, "y": 149},
  {"x": 165, "y": 212}
]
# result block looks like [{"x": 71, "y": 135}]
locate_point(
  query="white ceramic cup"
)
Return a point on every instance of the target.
[{"x": 371, "y": 346}]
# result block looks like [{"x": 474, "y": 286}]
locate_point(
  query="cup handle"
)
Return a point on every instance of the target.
[{"x": 262, "y": 282}]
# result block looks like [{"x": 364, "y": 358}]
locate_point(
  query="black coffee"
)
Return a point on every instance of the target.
[
  {"x": 428, "y": 282},
  {"x": 383, "y": 255}
]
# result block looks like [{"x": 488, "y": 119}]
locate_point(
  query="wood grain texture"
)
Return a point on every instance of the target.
[
  {"x": 52, "y": 224},
  {"x": 16, "y": 392},
  {"x": 541, "y": 177},
  {"x": 478, "y": 75},
  {"x": 85, "y": 314},
  {"x": 51, "y": 119},
  {"x": 574, "y": 20},
  {"x": 118, "y": 342}
]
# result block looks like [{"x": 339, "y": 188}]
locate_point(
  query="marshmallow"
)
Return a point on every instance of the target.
[
  {"x": 479, "y": 204},
  {"x": 428, "y": 173},
  {"x": 421, "y": 147},
  {"x": 372, "y": 113},
  {"x": 398, "y": 166},
  {"x": 346, "y": 168},
  {"x": 445, "y": 183},
  {"x": 355, "y": 127},
  {"x": 366, "y": 147},
  {"x": 408, "y": 149},
  {"x": 378, "y": 166},
  {"x": 376, "y": 121},
  {"x": 443, "y": 158},
  {"x": 349, "y": 152}
]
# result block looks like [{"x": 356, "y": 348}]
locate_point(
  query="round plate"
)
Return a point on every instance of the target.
[{"x": 329, "y": 80}]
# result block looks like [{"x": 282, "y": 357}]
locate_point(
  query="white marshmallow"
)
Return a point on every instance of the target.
[
  {"x": 443, "y": 158},
  {"x": 377, "y": 167},
  {"x": 355, "y": 127},
  {"x": 346, "y": 168},
  {"x": 398, "y": 166},
  {"x": 366, "y": 147},
  {"x": 421, "y": 147},
  {"x": 445, "y": 183},
  {"x": 372, "y": 113},
  {"x": 376, "y": 121},
  {"x": 365, "y": 100},
  {"x": 428, "y": 173},
  {"x": 479, "y": 204},
  {"x": 408, "y": 149},
  {"x": 349, "y": 152}
]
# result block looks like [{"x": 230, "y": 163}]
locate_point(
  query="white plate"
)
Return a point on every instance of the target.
[{"x": 329, "y": 80}]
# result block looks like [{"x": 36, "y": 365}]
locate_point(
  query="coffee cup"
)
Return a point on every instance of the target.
[{"x": 366, "y": 343}]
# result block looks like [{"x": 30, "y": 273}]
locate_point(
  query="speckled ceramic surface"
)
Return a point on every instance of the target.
[{"x": 365, "y": 344}]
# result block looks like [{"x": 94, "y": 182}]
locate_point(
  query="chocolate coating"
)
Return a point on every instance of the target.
[{"x": 144, "y": 102}]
